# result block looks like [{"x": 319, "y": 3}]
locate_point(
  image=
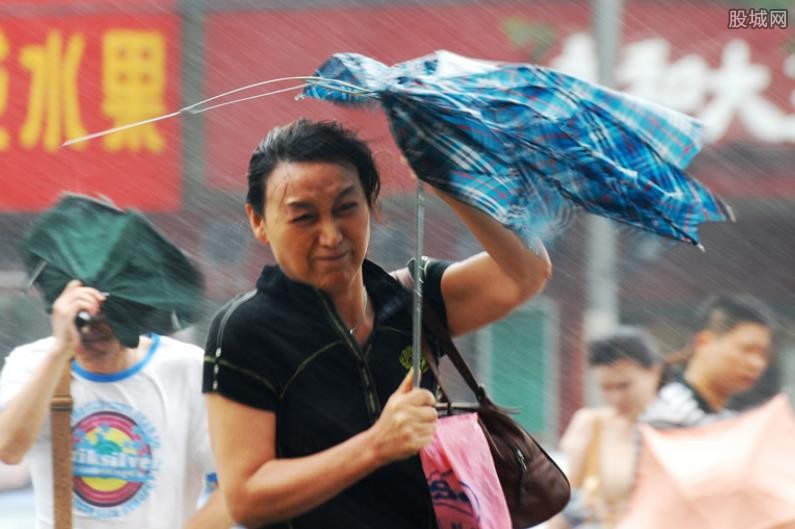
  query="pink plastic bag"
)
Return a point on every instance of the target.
[{"x": 465, "y": 490}]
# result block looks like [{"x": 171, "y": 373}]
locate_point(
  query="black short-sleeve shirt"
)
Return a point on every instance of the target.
[{"x": 283, "y": 348}]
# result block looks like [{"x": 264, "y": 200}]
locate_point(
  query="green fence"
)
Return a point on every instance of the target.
[{"x": 519, "y": 364}]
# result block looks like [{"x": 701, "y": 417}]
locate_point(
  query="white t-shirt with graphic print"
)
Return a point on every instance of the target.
[{"x": 141, "y": 449}]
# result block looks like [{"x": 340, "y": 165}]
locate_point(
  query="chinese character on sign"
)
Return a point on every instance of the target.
[
  {"x": 133, "y": 81},
  {"x": 53, "y": 102},
  {"x": 734, "y": 91},
  {"x": 758, "y": 19},
  {"x": 738, "y": 19},
  {"x": 778, "y": 18},
  {"x": 4, "y": 78}
]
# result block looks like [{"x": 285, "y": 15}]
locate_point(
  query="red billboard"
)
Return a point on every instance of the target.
[
  {"x": 86, "y": 71},
  {"x": 63, "y": 77}
]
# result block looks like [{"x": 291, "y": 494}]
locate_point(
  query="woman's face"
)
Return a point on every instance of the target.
[
  {"x": 627, "y": 386},
  {"x": 316, "y": 221}
]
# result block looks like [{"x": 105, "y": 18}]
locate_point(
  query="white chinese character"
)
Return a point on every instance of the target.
[
  {"x": 645, "y": 71},
  {"x": 686, "y": 83},
  {"x": 737, "y": 87},
  {"x": 759, "y": 19},
  {"x": 577, "y": 57},
  {"x": 778, "y": 18},
  {"x": 738, "y": 19},
  {"x": 643, "y": 66}
]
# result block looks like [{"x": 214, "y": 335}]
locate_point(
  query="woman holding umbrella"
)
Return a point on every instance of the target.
[{"x": 313, "y": 417}]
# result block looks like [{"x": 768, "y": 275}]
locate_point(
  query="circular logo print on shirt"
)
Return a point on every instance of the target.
[{"x": 113, "y": 459}]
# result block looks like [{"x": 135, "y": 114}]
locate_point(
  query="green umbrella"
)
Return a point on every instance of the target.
[{"x": 150, "y": 284}]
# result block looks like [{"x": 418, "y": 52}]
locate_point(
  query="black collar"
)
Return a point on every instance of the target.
[
  {"x": 702, "y": 403},
  {"x": 386, "y": 294}
]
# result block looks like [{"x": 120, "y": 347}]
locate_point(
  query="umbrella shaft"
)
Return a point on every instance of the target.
[{"x": 417, "y": 323}]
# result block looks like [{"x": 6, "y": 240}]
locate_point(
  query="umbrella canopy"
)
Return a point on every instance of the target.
[
  {"x": 526, "y": 144},
  {"x": 733, "y": 474},
  {"x": 151, "y": 285}
]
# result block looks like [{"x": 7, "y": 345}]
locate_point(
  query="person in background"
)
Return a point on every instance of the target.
[
  {"x": 728, "y": 353},
  {"x": 599, "y": 444},
  {"x": 141, "y": 450}
]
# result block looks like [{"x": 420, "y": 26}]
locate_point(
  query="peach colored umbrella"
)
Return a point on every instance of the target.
[{"x": 734, "y": 474}]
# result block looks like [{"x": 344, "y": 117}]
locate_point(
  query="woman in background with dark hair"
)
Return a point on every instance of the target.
[{"x": 600, "y": 443}]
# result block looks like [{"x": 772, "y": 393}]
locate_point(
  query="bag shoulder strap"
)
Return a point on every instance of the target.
[
  {"x": 61, "y": 426},
  {"x": 441, "y": 334},
  {"x": 592, "y": 452}
]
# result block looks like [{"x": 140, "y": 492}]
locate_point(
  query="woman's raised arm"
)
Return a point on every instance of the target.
[{"x": 489, "y": 285}]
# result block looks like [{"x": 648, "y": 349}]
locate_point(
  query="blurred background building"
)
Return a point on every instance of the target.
[{"x": 76, "y": 66}]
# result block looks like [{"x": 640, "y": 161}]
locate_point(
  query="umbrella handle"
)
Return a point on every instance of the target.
[{"x": 82, "y": 319}]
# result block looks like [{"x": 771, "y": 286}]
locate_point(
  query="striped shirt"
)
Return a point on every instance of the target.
[{"x": 679, "y": 405}]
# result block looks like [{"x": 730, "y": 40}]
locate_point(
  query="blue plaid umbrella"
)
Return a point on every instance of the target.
[{"x": 527, "y": 144}]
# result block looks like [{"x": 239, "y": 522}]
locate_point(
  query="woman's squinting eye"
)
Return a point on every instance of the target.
[
  {"x": 347, "y": 206},
  {"x": 302, "y": 219}
]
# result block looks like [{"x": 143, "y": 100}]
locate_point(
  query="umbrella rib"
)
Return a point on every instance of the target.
[
  {"x": 307, "y": 78},
  {"x": 193, "y": 110},
  {"x": 105, "y": 132},
  {"x": 34, "y": 275},
  {"x": 331, "y": 84}
]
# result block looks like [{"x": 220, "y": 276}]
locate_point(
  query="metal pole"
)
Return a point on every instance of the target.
[
  {"x": 193, "y": 72},
  {"x": 416, "y": 343},
  {"x": 602, "y": 292}
]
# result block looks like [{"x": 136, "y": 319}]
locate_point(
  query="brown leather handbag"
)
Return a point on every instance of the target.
[{"x": 535, "y": 487}]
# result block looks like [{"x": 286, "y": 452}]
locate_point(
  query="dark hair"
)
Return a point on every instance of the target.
[
  {"x": 625, "y": 343},
  {"x": 721, "y": 314},
  {"x": 304, "y": 140}
]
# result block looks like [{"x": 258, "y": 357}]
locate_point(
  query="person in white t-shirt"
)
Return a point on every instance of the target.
[{"x": 140, "y": 447}]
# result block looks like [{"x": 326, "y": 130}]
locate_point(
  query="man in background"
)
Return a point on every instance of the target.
[{"x": 728, "y": 353}]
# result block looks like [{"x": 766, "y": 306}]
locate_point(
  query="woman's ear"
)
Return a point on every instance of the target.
[{"x": 257, "y": 223}]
